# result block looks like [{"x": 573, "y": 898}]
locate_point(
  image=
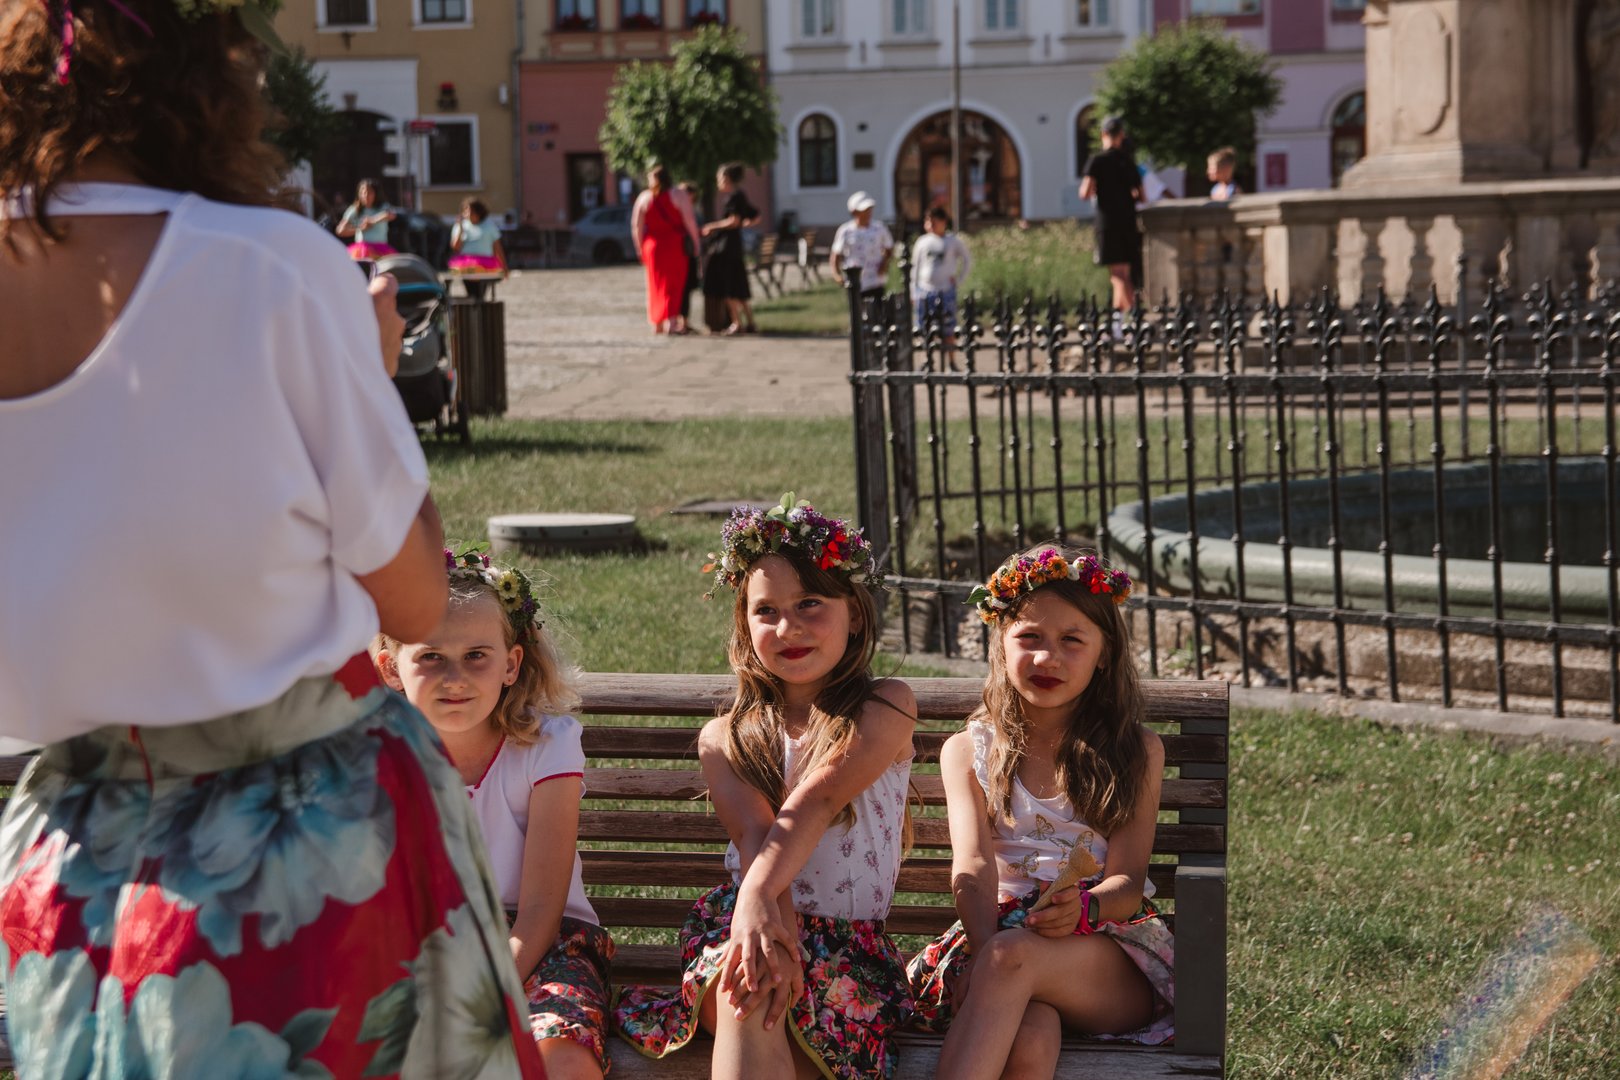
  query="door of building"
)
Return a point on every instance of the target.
[
  {"x": 587, "y": 188},
  {"x": 357, "y": 152}
]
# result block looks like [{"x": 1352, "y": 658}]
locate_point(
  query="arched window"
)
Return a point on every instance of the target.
[
  {"x": 818, "y": 151},
  {"x": 1084, "y": 121},
  {"x": 1349, "y": 134}
]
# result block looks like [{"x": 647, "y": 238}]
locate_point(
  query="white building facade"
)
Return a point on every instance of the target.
[{"x": 866, "y": 89}]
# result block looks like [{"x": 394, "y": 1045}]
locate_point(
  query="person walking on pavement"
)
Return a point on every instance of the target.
[{"x": 1110, "y": 177}]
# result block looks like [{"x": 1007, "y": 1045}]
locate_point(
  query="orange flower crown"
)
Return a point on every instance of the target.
[{"x": 1026, "y": 573}]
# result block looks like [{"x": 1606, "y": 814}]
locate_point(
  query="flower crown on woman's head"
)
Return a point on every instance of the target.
[
  {"x": 1026, "y": 573},
  {"x": 512, "y": 588},
  {"x": 750, "y": 534},
  {"x": 257, "y": 16}
]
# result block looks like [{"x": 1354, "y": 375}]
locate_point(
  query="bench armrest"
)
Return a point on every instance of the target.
[{"x": 1201, "y": 959}]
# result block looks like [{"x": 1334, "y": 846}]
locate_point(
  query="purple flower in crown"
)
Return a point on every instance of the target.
[
  {"x": 793, "y": 525},
  {"x": 1025, "y": 573}
]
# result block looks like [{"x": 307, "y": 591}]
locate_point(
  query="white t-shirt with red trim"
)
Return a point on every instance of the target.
[{"x": 500, "y": 799}]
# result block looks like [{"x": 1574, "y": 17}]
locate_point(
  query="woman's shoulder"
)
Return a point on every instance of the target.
[{"x": 266, "y": 233}]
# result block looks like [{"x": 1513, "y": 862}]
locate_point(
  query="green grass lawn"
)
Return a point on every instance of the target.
[{"x": 1373, "y": 874}]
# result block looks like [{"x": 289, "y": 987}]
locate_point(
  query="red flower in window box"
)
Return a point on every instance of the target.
[
  {"x": 642, "y": 22},
  {"x": 706, "y": 18},
  {"x": 576, "y": 22}
]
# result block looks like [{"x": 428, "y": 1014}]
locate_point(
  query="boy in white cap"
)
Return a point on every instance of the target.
[{"x": 865, "y": 243}]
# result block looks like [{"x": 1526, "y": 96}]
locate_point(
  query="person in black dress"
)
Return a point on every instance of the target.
[
  {"x": 725, "y": 274},
  {"x": 1110, "y": 177}
]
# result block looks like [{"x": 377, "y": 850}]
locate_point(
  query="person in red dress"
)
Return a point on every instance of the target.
[{"x": 663, "y": 224}]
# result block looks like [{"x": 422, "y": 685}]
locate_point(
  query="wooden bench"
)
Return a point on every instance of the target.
[
  {"x": 644, "y": 795},
  {"x": 765, "y": 268}
]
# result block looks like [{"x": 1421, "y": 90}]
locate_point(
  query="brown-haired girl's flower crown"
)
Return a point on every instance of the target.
[
  {"x": 512, "y": 588},
  {"x": 257, "y": 18},
  {"x": 1026, "y": 573},
  {"x": 793, "y": 525}
]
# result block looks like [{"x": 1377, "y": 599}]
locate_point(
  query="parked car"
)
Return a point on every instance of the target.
[{"x": 602, "y": 237}]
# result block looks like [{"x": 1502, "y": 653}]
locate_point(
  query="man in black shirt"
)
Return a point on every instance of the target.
[{"x": 1111, "y": 178}]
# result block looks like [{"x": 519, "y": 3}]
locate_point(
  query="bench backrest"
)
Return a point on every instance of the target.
[{"x": 647, "y": 834}]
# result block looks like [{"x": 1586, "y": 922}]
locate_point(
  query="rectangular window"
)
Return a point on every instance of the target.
[
  {"x": 1091, "y": 14},
  {"x": 705, "y": 13},
  {"x": 1349, "y": 5},
  {"x": 818, "y": 18},
  {"x": 1226, "y": 7},
  {"x": 910, "y": 17},
  {"x": 641, "y": 14},
  {"x": 453, "y": 154},
  {"x": 576, "y": 15},
  {"x": 348, "y": 13},
  {"x": 444, "y": 11},
  {"x": 1002, "y": 15}
]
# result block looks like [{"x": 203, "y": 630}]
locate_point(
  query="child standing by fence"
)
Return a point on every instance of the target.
[
  {"x": 1054, "y": 772},
  {"x": 809, "y": 771},
  {"x": 491, "y": 683},
  {"x": 939, "y": 264}
]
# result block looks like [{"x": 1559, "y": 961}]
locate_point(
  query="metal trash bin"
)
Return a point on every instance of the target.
[{"x": 478, "y": 347}]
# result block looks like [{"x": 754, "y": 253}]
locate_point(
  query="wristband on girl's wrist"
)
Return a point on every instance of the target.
[{"x": 1090, "y": 913}]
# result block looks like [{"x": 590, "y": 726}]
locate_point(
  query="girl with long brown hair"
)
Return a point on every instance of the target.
[
  {"x": 809, "y": 771},
  {"x": 1055, "y": 772}
]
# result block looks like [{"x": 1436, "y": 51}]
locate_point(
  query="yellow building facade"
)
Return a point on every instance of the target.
[{"x": 428, "y": 91}]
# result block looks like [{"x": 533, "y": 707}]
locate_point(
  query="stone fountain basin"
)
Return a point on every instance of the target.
[{"x": 1584, "y": 583}]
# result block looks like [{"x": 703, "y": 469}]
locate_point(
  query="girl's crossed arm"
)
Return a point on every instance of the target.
[
  {"x": 973, "y": 862},
  {"x": 1119, "y": 893},
  {"x": 548, "y": 868},
  {"x": 882, "y": 737}
]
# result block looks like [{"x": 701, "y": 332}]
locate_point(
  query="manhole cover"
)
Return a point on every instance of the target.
[{"x": 535, "y": 533}]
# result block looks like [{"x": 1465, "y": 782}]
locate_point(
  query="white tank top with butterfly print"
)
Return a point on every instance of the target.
[{"x": 1034, "y": 845}]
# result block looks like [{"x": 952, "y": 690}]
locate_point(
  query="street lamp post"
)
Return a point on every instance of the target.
[{"x": 956, "y": 114}]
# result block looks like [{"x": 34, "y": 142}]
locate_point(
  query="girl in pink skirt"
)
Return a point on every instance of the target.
[{"x": 366, "y": 220}]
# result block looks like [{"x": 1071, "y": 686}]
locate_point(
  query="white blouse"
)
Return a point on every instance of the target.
[
  {"x": 183, "y": 518},
  {"x": 1033, "y": 847},
  {"x": 853, "y": 870}
]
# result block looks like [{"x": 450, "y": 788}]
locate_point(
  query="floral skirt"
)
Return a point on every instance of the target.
[
  {"x": 1146, "y": 940},
  {"x": 568, "y": 989},
  {"x": 854, "y": 991},
  {"x": 300, "y": 888}
]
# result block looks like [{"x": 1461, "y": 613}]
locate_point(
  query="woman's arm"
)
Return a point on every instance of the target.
[
  {"x": 411, "y": 589},
  {"x": 548, "y": 870},
  {"x": 1119, "y": 893},
  {"x": 455, "y": 238},
  {"x": 638, "y": 220},
  {"x": 683, "y": 203},
  {"x": 1088, "y": 187},
  {"x": 346, "y": 226}
]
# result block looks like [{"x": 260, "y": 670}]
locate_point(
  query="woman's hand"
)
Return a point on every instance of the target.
[
  {"x": 1060, "y": 918},
  {"x": 384, "y": 290}
]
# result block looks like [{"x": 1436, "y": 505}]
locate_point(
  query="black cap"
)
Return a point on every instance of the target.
[{"x": 1113, "y": 125}]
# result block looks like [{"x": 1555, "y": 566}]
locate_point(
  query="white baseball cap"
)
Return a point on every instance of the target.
[{"x": 860, "y": 201}]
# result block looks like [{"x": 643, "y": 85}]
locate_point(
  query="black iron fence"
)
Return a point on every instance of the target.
[{"x": 1389, "y": 498}]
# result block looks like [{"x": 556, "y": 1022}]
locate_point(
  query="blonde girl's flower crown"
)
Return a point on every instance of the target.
[
  {"x": 793, "y": 525},
  {"x": 512, "y": 588},
  {"x": 1026, "y": 573}
]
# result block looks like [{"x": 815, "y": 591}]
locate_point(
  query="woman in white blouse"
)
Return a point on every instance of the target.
[{"x": 212, "y": 500}]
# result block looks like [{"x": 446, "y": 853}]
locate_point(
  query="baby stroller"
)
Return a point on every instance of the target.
[{"x": 426, "y": 380}]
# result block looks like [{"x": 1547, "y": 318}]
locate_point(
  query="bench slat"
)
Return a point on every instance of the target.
[
  {"x": 686, "y": 785},
  {"x": 928, "y": 919},
  {"x": 680, "y": 744},
  {"x": 635, "y": 694},
  {"x": 691, "y": 827},
  {"x": 704, "y": 869}
]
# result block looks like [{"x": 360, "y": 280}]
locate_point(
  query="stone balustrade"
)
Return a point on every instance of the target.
[{"x": 1295, "y": 243}]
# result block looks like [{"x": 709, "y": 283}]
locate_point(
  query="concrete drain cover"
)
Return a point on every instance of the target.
[{"x": 537, "y": 533}]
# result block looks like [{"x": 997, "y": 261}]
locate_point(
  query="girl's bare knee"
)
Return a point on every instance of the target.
[{"x": 1006, "y": 953}]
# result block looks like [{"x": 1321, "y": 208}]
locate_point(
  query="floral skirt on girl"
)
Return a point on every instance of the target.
[
  {"x": 1145, "y": 939},
  {"x": 299, "y": 889},
  {"x": 855, "y": 992},
  {"x": 568, "y": 989}
]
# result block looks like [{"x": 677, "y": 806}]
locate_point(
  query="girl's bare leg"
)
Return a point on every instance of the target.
[
  {"x": 743, "y": 1049},
  {"x": 566, "y": 1059},
  {"x": 1119, "y": 276},
  {"x": 1024, "y": 967},
  {"x": 1035, "y": 1051}
]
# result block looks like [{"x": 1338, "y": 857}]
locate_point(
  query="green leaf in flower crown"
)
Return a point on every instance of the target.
[
  {"x": 256, "y": 21},
  {"x": 978, "y": 595}
]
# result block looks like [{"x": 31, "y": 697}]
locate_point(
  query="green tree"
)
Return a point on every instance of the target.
[
  {"x": 707, "y": 108},
  {"x": 1190, "y": 90},
  {"x": 303, "y": 117}
]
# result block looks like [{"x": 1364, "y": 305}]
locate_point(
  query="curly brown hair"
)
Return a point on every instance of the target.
[
  {"x": 181, "y": 106},
  {"x": 1101, "y": 757}
]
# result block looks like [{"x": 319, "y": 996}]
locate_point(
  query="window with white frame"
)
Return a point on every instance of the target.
[
  {"x": 1003, "y": 15},
  {"x": 705, "y": 13},
  {"x": 1225, "y": 7},
  {"x": 1349, "y": 5},
  {"x": 818, "y": 151},
  {"x": 908, "y": 18},
  {"x": 641, "y": 14},
  {"x": 1092, "y": 14},
  {"x": 440, "y": 12},
  {"x": 346, "y": 13},
  {"x": 453, "y": 153},
  {"x": 576, "y": 15},
  {"x": 818, "y": 19}
]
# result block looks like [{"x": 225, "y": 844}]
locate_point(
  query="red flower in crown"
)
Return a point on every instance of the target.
[{"x": 833, "y": 553}]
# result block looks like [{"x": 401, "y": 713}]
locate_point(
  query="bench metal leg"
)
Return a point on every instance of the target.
[{"x": 1201, "y": 959}]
